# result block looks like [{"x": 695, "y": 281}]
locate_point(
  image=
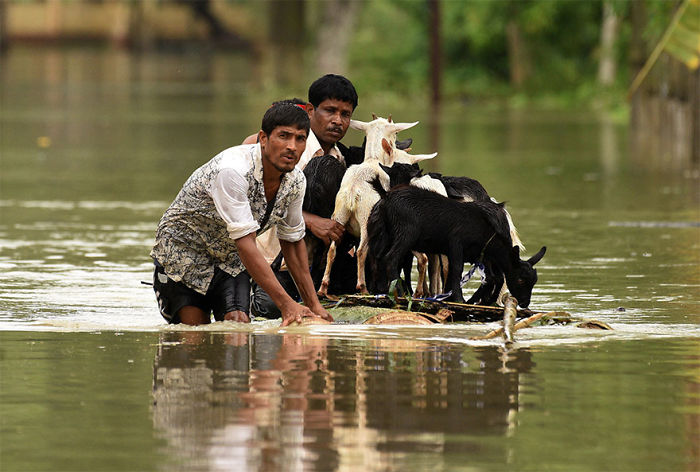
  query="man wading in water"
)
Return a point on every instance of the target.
[
  {"x": 332, "y": 101},
  {"x": 205, "y": 241}
]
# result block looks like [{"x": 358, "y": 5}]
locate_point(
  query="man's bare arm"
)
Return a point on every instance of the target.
[
  {"x": 325, "y": 229},
  {"x": 296, "y": 257}
]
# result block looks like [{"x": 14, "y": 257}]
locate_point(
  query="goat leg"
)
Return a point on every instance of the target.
[
  {"x": 361, "y": 259},
  {"x": 437, "y": 268},
  {"x": 323, "y": 290},
  {"x": 488, "y": 292},
  {"x": 444, "y": 265},
  {"x": 421, "y": 284},
  {"x": 454, "y": 273}
]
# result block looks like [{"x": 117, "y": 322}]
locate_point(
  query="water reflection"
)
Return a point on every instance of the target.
[{"x": 293, "y": 401}]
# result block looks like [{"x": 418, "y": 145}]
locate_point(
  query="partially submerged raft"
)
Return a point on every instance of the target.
[{"x": 385, "y": 309}]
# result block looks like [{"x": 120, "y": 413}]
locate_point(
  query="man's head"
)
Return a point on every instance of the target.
[
  {"x": 333, "y": 99},
  {"x": 283, "y": 134},
  {"x": 332, "y": 86}
]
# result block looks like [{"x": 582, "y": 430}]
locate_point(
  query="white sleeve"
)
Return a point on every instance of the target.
[
  {"x": 292, "y": 228},
  {"x": 229, "y": 190}
]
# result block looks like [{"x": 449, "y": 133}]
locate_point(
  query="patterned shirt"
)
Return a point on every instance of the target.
[{"x": 222, "y": 201}]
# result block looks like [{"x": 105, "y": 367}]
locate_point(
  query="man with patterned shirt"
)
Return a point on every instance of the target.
[{"x": 205, "y": 241}]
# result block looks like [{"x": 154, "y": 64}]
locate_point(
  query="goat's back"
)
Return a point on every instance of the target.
[
  {"x": 323, "y": 177},
  {"x": 462, "y": 188}
]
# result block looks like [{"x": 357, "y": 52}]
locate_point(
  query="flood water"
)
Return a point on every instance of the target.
[{"x": 95, "y": 144}]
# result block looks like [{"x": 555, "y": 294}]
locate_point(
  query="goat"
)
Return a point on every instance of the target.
[
  {"x": 356, "y": 196},
  {"x": 409, "y": 218},
  {"x": 323, "y": 177}
]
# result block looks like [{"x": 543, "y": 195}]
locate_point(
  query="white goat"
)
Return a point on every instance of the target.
[{"x": 356, "y": 196}]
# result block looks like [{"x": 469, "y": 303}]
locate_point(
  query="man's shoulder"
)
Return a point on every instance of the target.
[
  {"x": 241, "y": 149},
  {"x": 239, "y": 157},
  {"x": 296, "y": 174}
]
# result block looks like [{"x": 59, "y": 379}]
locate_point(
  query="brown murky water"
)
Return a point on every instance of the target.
[{"x": 95, "y": 144}]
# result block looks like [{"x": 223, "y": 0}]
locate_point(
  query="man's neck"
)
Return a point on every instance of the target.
[
  {"x": 324, "y": 145},
  {"x": 272, "y": 179}
]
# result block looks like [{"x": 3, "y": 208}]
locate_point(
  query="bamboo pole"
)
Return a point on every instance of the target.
[
  {"x": 654, "y": 56},
  {"x": 510, "y": 305}
]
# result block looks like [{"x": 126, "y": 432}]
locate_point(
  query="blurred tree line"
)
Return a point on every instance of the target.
[
  {"x": 495, "y": 48},
  {"x": 472, "y": 48},
  {"x": 580, "y": 50}
]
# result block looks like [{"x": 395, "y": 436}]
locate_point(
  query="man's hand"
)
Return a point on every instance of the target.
[
  {"x": 325, "y": 229},
  {"x": 237, "y": 316},
  {"x": 322, "y": 313},
  {"x": 296, "y": 312}
]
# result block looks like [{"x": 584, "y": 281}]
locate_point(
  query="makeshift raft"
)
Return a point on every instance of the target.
[{"x": 386, "y": 309}]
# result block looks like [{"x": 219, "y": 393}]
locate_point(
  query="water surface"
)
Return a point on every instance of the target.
[{"x": 94, "y": 146}]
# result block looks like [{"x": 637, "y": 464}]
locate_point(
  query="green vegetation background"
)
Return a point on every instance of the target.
[{"x": 389, "y": 49}]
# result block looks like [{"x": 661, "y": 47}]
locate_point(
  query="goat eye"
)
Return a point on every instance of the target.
[{"x": 520, "y": 281}]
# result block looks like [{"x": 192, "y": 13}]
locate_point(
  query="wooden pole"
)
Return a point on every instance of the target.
[
  {"x": 657, "y": 51},
  {"x": 435, "y": 73},
  {"x": 510, "y": 309}
]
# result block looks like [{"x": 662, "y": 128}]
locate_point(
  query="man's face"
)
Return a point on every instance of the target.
[
  {"x": 330, "y": 120},
  {"x": 283, "y": 147}
]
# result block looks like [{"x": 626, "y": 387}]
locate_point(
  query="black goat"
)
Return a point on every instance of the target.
[
  {"x": 323, "y": 177},
  {"x": 399, "y": 174},
  {"x": 409, "y": 218}
]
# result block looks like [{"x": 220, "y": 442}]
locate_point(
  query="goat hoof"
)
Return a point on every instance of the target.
[{"x": 362, "y": 289}]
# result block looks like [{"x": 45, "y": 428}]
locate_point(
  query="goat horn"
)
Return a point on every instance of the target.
[
  {"x": 422, "y": 157},
  {"x": 406, "y": 158},
  {"x": 403, "y": 126},
  {"x": 359, "y": 125},
  {"x": 374, "y": 116},
  {"x": 414, "y": 158},
  {"x": 389, "y": 118}
]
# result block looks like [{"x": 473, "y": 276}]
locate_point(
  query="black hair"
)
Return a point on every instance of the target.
[
  {"x": 293, "y": 101},
  {"x": 285, "y": 114},
  {"x": 332, "y": 86}
]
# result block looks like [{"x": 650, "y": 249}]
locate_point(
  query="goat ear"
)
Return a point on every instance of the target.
[
  {"x": 515, "y": 253},
  {"x": 405, "y": 144},
  {"x": 359, "y": 125},
  {"x": 536, "y": 258},
  {"x": 387, "y": 147},
  {"x": 385, "y": 168}
]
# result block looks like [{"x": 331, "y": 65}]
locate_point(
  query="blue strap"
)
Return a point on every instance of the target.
[{"x": 469, "y": 274}]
